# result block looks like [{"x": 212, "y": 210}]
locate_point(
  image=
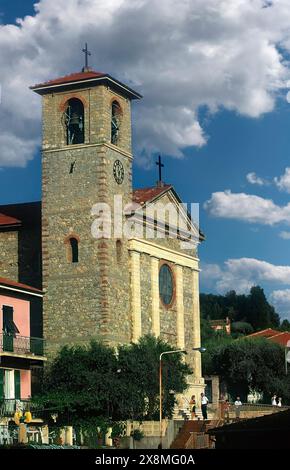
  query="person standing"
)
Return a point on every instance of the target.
[
  {"x": 193, "y": 406},
  {"x": 204, "y": 402},
  {"x": 238, "y": 405},
  {"x": 274, "y": 400},
  {"x": 279, "y": 402}
]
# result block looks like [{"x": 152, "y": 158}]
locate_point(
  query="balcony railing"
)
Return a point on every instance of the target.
[
  {"x": 10, "y": 405},
  {"x": 21, "y": 345}
]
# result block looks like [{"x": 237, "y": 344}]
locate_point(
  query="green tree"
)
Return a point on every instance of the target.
[
  {"x": 253, "y": 308},
  {"x": 285, "y": 325},
  {"x": 206, "y": 331},
  {"x": 259, "y": 311},
  {"x": 241, "y": 328},
  {"x": 79, "y": 381},
  {"x": 245, "y": 364},
  {"x": 231, "y": 303},
  {"x": 139, "y": 364},
  {"x": 96, "y": 384}
]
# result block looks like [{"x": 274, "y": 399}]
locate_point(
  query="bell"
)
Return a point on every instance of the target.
[{"x": 75, "y": 120}]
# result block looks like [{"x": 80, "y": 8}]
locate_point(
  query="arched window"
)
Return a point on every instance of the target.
[
  {"x": 74, "y": 122},
  {"x": 74, "y": 248},
  {"x": 115, "y": 122},
  {"x": 166, "y": 284}
]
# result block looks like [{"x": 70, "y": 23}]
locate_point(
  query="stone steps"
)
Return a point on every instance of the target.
[
  {"x": 184, "y": 413},
  {"x": 185, "y": 432}
]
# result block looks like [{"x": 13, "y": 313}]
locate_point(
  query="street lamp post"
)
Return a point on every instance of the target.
[
  {"x": 201, "y": 350},
  {"x": 287, "y": 356}
]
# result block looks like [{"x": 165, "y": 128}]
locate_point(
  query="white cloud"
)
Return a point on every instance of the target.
[
  {"x": 242, "y": 273},
  {"x": 211, "y": 271},
  {"x": 283, "y": 182},
  {"x": 252, "y": 178},
  {"x": 14, "y": 150},
  {"x": 281, "y": 301},
  {"x": 217, "y": 53},
  {"x": 285, "y": 235},
  {"x": 247, "y": 208}
]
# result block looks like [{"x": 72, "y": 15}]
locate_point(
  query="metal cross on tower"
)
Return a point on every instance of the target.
[
  {"x": 160, "y": 165},
  {"x": 87, "y": 54}
]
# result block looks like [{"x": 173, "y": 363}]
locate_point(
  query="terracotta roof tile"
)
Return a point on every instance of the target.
[
  {"x": 29, "y": 214},
  {"x": 6, "y": 220},
  {"x": 143, "y": 195},
  {"x": 281, "y": 338},
  {"x": 265, "y": 333},
  {"x": 10, "y": 283},
  {"x": 73, "y": 77},
  {"x": 77, "y": 78}
]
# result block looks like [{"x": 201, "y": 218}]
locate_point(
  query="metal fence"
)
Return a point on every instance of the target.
[{"x": 21, "y": 344}]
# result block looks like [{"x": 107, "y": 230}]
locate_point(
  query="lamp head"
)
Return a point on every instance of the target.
[{"x": 201, "y": 349}]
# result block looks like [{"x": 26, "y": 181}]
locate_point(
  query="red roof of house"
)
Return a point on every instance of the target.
[
  {"x": 17, "y": 285},
  {"x": 281, "y": 338},
  {"x": 265, "y": 333},
  {"x": 6, "y": 220},
  {"x": 26, "y": 214},
  {"x": 73, "y": 77},
  {"x": 141, "y": 196}
]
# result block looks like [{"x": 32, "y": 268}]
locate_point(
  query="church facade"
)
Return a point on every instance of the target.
[{"x": 110, "y": 287}]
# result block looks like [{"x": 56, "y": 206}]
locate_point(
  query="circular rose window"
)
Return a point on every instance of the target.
[{"x": 166, "y": 284}]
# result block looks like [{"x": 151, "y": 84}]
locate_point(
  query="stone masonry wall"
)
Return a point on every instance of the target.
[
  {"x": 168, "y": 315},
  {"x": 146, "y": 298},
  {"x": 9, "y": 255},
  {"x": 29, "y": 252},
  {"x": 91, "y": 298}
]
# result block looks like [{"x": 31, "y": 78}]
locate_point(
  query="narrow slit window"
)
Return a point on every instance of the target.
[{"x": 74, "y": 247}]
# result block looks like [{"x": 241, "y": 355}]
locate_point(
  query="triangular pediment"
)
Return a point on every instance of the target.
[{"x": 162, "y": 210}]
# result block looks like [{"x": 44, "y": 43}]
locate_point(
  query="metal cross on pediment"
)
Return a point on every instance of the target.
[
  {"x": 87, "y": 54},
  {"x": 160, "y": 165}
]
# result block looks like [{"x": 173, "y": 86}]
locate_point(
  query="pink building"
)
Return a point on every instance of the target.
[{"x": 21, "y": 343}]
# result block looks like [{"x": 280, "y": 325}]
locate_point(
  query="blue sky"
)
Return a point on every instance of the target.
[{"x": 236, "y": 139}]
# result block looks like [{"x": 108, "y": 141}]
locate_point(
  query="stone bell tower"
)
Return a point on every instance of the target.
[{"x": 86, "y": 159}]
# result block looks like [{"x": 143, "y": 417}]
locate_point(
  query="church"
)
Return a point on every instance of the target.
[{"x": 60, "y": 284}]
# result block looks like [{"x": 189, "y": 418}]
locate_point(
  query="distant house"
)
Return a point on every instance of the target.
[
  {"x": 221, "y": 325},
  {"x": 280, "y": 337}
]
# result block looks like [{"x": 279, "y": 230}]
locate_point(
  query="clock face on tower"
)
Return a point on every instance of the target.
[{"x": 118, "y": 171}]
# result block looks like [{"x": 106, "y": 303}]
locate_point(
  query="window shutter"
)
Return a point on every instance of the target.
[
  {"x": 17, "y": 384},
  {"x": 1, "y": 384},
  {"x": 7, "y": 318}
]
